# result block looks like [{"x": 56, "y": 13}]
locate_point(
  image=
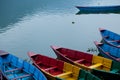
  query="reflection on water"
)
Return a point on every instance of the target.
[
  {"x": 13, "y": 11},
  {"x": 34, "y": 25}
]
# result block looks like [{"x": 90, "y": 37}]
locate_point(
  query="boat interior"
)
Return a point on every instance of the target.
[
  {"x": 15, "y": 69},
  {"x": 56, "y": 68},
  {"x": 86, "y": 59}
]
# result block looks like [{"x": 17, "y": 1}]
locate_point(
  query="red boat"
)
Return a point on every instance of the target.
[
  {"x": 97, "y": 65},
  {"x": 81, "y": 59},
  {"x": 56, "y": 69}
]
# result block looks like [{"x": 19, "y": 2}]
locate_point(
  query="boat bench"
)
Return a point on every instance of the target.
[
  {"x": 50, "y": 68},
  {"x": 114, "y": 41},
  {"x": 80, "y": 60},
  {"x": 96, "y": 65},
  {"x": 38, "y": 62},
  {"x": 64, "y": 74},
  {"x": 6, "y": 62},
  {"x": 106, "y": 36},
  {"x": 23, "y": 76},
  {"x": 12, "y": 70}
]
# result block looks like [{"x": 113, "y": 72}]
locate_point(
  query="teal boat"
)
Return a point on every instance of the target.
[{"x": 13, "y": 68}]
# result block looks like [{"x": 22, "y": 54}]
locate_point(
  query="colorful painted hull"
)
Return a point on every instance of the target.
[
  {"x": 98, "y": 9},
  {"x": 14, "y": 68},
  {"x": 108, "y": 51},
  {"x": 110, "y": 37},
  {"x": 56, "y": 69},
  {"x": 87, "y": 61}
]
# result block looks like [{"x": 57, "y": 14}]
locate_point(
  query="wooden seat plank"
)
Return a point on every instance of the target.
[
  {"x": 96, "y": 65},
  {"x": 12, "y": 70},
  {"x": 50, "y": 68},
  {"x": 80, "y": 60},
  {"x": 64, "y": 74},
  {"x": 23, "y": 76}
]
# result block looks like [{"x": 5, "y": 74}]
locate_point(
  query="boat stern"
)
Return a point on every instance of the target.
[
  {"x": 3, "y": 53},
  {"x": 30, "y": 54},
  {"x": 97, "y": 43},
  {"x": 55, "y": 47},
  {"x": 101, "y": 29}
]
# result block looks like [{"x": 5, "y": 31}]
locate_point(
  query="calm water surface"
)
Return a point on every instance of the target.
[{"x": 34, "y": 25}]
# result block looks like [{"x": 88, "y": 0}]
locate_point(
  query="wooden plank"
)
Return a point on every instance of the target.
[
  {"x": 81, "y": 60},
  {"x": 38, "y": 62},
  {"x": 12, "y": 70},
  {"x": 64, "y": 74},
  {"x": 50, "y": 68},
  {"x": 96, "y": 65},
  {"x": 23, "y": 76},
  {"x": 114, "y": 41},
  {"x": 6, "y": 63}
]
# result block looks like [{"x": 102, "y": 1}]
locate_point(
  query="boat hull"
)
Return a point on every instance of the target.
[
  {"x": 98, "y": 9},
  {"x": 105, "y": 75}
]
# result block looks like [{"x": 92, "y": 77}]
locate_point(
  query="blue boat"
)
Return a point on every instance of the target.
[
  {"x": 99, "y": 9},
  {"x": 110, "y": 37},
  {"x": 2, "y": 77},
  {"x": 14, "y": 68},
  {"x": 108, "y": 51}
]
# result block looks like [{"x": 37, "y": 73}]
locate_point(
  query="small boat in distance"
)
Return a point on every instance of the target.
[
  {"x": 56, "y": 69},
  {"x": 13, "y": 68},
  {"x": 108, "y": 51},
  {"x": 99, "y": 9},
  {"x": 90, "y": 62},
  {"x": 110, "y": 37}
]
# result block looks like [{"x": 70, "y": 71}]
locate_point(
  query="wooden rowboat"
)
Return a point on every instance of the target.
[
  {"x": 56, "y": 69},
  {"x": 89, "y": 62},
  {"x": 108, "y": 51},
  {"x": 99, "y": 9},
  {"x": 13, "y": 68},
  {"x": 110, "y": 37}
]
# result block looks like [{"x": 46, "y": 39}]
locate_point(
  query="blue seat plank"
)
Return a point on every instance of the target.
[
  {"x": 23, "y": 76},
  {"x": 12, "y": 70}
]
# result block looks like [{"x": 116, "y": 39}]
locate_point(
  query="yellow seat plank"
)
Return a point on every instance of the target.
[
  {"x": 96, "y": 65},
  {"x": 64, "y": 74}
]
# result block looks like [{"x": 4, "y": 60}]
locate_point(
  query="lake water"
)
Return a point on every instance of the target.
[{"x": 34, "y": 25}]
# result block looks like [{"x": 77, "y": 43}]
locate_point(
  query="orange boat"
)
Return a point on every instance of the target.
[
  {"x": 56, "y": 69},
  {"x": 98, "y": 65}
]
